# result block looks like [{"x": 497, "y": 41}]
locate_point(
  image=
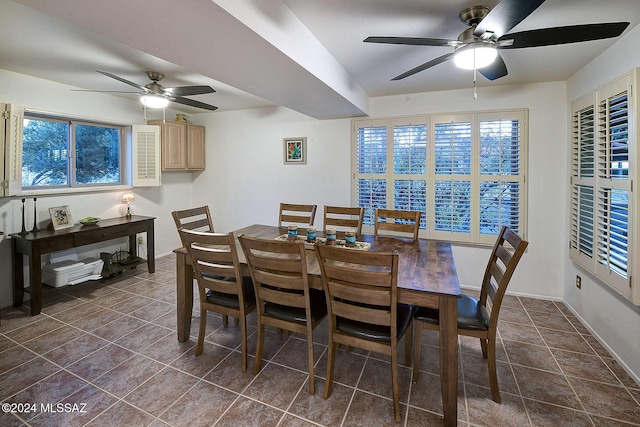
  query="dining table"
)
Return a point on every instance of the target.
[{"x": 426, "y": 277}]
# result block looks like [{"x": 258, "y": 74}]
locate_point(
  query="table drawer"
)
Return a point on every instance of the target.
[{"x": 99, "y": 235}]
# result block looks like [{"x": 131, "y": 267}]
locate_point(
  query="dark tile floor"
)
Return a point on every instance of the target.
[{"x": 108, "y": 354}]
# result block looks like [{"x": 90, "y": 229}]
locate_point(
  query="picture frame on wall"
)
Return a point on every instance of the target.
[
  {"x": 61, "y": 217},
  {"x": 295, "y": 151}
]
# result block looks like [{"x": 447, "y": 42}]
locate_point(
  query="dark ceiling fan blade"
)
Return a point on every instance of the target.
[
  {"x": 506, "y": 15},
  {"x": 562, "y": 35},
  {"x": 414, "y": 41},
  {"x": 424, "y": 66},
  {"x": 189, "y": 90},
  {"x": 495, "y": 70},
  {"x": 192, "y": 103},
  {"x": 113, "y": 76},
  {"x": 102, "y": 91}
]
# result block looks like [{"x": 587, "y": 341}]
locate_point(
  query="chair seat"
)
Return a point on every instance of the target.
[
  {"x": 377, "y": 332},
  {"x": 471, "y": 314},
  {"x": 317, "y": 302},
  {"x": 231, "y": 300}
]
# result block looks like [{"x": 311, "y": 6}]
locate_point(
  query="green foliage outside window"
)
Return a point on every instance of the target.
[{"x": 59, "y": 153}]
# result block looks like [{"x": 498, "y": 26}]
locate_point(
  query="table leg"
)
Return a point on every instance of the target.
[
  {"x": 18, "y": 276},
  {"x": 35, "y": 287},
  {"x": 449, "y": 358},
  {"x": 184, "y": 284},
  {"x": 151, "y": 247}
]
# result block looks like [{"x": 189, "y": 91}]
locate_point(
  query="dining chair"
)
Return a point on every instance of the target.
[
  {"x": 344, "y": 217},
  {"x": 296, "y": 214},
  {"x": 198, "y": 219},
  {"x": 194, "y": 219},
  {"x": 362, "y": 296},
  {"x": 479, "y": 317},
  {"x": 283, "y": 296},
  {"x": 397, "y": 221},
  {"x": 221, "y": 286}
]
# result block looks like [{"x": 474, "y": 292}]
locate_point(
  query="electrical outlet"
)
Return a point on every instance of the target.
[
  {"x": 139, "y": 240},
  {"x": 578, "y": 282}
]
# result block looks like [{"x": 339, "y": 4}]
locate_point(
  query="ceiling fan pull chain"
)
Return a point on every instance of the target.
[{"x": 475, "y": 75}]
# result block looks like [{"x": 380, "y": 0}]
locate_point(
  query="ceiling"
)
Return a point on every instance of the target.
[{"x": 306, "y": 55}]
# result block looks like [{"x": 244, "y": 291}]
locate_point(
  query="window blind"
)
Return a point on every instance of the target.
[
  {"x": 604, "y": 159},
  {"x": 464, "y": 172},
  {"x": 371, "y": 154}
]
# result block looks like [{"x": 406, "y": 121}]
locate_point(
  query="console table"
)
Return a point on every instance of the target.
[{"x": 35, "y": 244}]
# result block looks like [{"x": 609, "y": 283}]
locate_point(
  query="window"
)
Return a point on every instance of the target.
[
  {"x": 602, "y": 167},
  {"x": 46, "y": 152},
  {"x": 465, "y": 172},
  {"x": 69, "y": 153}
]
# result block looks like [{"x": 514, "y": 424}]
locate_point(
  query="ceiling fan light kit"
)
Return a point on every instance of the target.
[
  {"x": 475, "y": 56},
  {"x": 154, "y": 101}
]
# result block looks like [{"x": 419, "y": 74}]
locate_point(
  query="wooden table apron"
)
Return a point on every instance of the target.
[
  {"x": 426, "y": 276},
  {"x": 34, "y": 245}
]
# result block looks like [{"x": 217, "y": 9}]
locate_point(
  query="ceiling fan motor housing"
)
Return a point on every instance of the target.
[
  {"x": 155, "y": 76},
  {"x": 473, "y": 15}
]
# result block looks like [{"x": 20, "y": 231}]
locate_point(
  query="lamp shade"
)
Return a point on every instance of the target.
[
  {"x": 154, "y": 101},
  {"x": 128, "y": 197},
  {"x": 475, "y": 55}
]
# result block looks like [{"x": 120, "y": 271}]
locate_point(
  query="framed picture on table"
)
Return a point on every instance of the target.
[
  {"x": 61, "y": 217},
  {"x": 295, "y": 151}
]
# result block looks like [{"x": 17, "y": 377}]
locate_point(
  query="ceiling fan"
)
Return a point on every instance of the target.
[
  {"x": 154, "y": 95},
  {"x": 476, "y": 47}
]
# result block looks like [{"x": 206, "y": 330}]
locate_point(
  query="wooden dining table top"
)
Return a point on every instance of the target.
[{"x": 426, "y": 268}]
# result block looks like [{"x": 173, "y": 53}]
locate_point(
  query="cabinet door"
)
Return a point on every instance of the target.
[
  {"x": 174, "y": 146},
  {"x": 195, "y": 147}
]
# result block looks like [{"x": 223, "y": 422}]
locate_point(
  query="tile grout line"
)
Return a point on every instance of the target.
[{"x": 564, "y": 375}]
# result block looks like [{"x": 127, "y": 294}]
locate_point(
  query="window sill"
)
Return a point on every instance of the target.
[{"x": 76, "y": 190}]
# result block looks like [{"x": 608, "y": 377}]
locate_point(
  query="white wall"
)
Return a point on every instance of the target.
[
  {"x": 611, "y": 318},
  {"x": 153, "y": 201},
  {"x": 246, "y": 178}
]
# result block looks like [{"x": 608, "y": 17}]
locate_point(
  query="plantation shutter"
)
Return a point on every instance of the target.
[
  {"x": 146, "y": 155},
  {"x": 410, "y": 168},
  {"x": 466, "y": 173},
  {"x": 582, "y": 215},
  {"x": 604, "y": 164},
  {"x": 501, "y": 174},
  {"x": 613, "y": 186},
  {"x": 371, "y": 172},
  {"x": 452, "y": 179},
  {"x": 12, "y": 149}
]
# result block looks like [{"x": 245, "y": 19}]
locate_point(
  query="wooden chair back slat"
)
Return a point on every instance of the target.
[
  {"x": 344, "y": 273},
  {"x": 296, "y": 214},
  {"x": 397, "y": 221},
  {"x": 194, "y": 219},
  {"x": 282, "y": 298},
  {"x": 343, "y": 217},
  {"x": 278, "y": 279},
  {"x": 367, "y": 314}
]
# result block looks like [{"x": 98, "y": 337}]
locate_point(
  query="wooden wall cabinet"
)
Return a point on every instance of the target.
[{"x": 182, "y": 146}]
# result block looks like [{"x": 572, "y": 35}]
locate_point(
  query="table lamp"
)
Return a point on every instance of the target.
[{"x": 128, "y": 198}]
